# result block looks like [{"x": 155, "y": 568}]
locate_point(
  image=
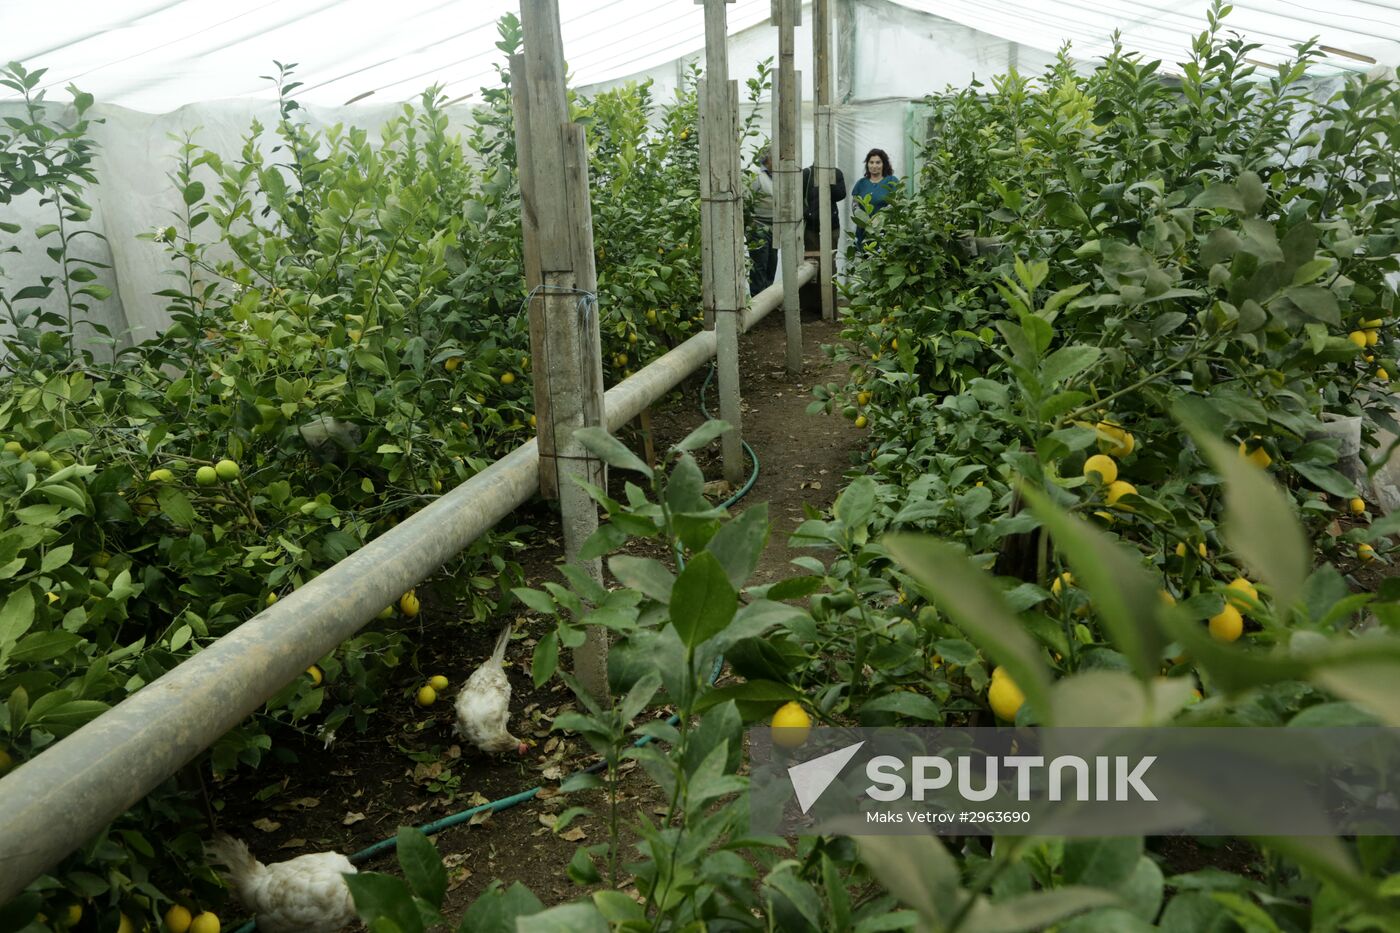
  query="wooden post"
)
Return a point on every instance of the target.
[
  {"x": 787, "y": 176},
  {"x": 721, "y": 222},
  {"x": 824, "y": 158},
  {"x": 565, "y": 344}
]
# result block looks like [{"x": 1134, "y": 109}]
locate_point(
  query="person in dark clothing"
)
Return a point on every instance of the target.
[
  {"x": 811, "y": 211},
  {"x": 763, "y": 254}
]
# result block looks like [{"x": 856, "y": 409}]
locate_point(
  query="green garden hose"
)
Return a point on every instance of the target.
[{"x": 505, "y": 803}]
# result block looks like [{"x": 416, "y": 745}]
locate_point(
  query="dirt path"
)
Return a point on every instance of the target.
[{"x": 409, "y": 768}]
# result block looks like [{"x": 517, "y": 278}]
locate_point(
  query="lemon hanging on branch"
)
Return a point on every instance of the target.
[
  {"x": 409, "y": 605},
  {"x": 1005, "y": 698},
  {"x": 1102, "y": 466},
  {"x": 791, "y": 725}
]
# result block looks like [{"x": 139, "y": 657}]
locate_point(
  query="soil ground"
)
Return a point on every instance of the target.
[{"x": 409, "y": 767}]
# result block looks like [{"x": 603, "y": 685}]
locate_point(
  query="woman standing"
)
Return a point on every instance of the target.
[
  {"x": 873, "y": 190},
  {"x": 763, "y": 255}
]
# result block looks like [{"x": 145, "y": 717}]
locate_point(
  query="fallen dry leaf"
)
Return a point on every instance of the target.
[
  {"x": 352, "y": 818},
  {"x": 454, "y": 751},
  {"x": 266, "y": 825},
  {"x": 306, "y": 803},
  {"x": 573, "y": 835},
  {"x": 480, "y": 818},
  {"x": 293, "y": 844}
]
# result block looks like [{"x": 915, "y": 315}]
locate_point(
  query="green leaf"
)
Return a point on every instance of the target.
[
  {"x": 1038, "y": 910},
  {"x": 56, "y": 558},
  {"x": 1218, "y": 196},
  {"x": 567, "y": 918},
  {"x": 1369, "y": 682},
  {"x": 421, "y": 865},
  {"x": 611, "y": 450},
  {"x": 905, "y": 703},
  {"x": 1124, "y": 593},
  {"x": 1316, "y": 302},
  {"x": 1259, "y": 522},
  {"x": 757, "y": 618},
  {"x": 748, "y": 694},
  {"x": 918, "y": 870},
  {"x": 1325, "y": 478},
  {"x": 975, "y": 604},
  {"x": 16, "y": 617},
  {"x": 702, "y": 436},
  {"x": 1068, "y": 362},
  {"x": 644, "y": 574},
  {"x": 382, "y": 897},
  {"x": 856, "y": 502},
  {"x": 1101, "y": 863},
  {"x": 738, "y": 545},
  {"x": 497, "y": 911},
  {"x": 546, "y": 658},
  {"x": 536, "y": 600},
  {"x": 176, "y": 506},
  {"x": 702, "y": 601}
]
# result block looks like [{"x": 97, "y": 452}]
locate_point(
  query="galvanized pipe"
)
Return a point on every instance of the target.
[{"x": 55, "y": 802}]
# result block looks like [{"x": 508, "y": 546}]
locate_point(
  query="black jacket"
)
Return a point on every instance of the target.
[{"x": 811, "y": 198}]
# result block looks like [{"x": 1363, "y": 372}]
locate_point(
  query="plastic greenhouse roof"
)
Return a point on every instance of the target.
[
  {"x": 158, "y": 55},
  {"x": 1356, "y": 35}
]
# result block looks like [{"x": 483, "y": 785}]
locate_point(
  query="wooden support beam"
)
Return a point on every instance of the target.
[
  {"x": 787, "y": 175},
  {"x": 565, "y": 343},
  {"x": 824, "y": 159},
  {"x": 721, "y": 221}
]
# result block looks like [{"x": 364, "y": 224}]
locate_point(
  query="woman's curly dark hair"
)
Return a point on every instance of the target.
[{"x": 884, "y": 157}]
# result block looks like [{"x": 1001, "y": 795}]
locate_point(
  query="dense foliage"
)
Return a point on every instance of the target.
[{"x": 348, "y": 339}]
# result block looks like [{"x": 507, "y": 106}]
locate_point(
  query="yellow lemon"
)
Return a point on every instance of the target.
[
  {"x": 1004, "y": 696},
  {"x": 354, "y": 336},
  {"x": 451, "y": 363},
  {"x": 1228, "y": 625},
  {"x": 507, "y": 378},
  {"x": 125, "y": 925},
  {"x": 1200, "y": 549},
  {"x": 1258, "y": 456},
  {"x": 409, "y": 604},
  {"x": 161, "y": 476},
  {"x": 1382, "y": 375},
  {"x": 533, "y": 421},
  {"x": 1242, "y": 586},
  {"x": 631, "y": 338},
  {"x": 1370, "y": 358},
  {"x": 1102, "y": 466},
  {"x": 1117, "y": 490},
  {"x": 861, "y": 421},
  {"x": 791, "y": 725},
  {"x": 651, "y": 314},
  {"x": 863, "y": 398},
  {"x": 1373, "y": 337},
  {"x": 1371, "y": 325},
  {"x": 427, "y": 696},
  {"x": 1061, "y": 583},
  {"x": 271, "y": 598},
  {"x": 314, "y": 672},
  {"x": 1365, "y": 552},
  {"x": 73, "y": 914},
  {"x": 1357, "y": 506},
  {"x": 207, "y": 922},
  {"x": 438, "y": 682},
  {"x": 177, "y": 919},
  {"x": 894, "y": 344},
  {"x": 1357, "y": 337},
  {"x": 1166, "y": 597},
  {"x": 1114, "y": 440}
]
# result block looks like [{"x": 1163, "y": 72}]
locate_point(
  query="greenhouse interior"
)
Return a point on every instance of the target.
[{"x": 688, "y": 465}]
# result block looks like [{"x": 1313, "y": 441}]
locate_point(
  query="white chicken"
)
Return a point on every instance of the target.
[
  {"x": 306, "y": 894},
  {"x": 483, "y": 706}
]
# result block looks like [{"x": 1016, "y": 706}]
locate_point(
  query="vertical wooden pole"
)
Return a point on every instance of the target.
[
  {"x": 720, "y": 220},
  {"x": 787, "y": 176},
  {"x": 824, "y": 158},
  {"x": 565, "y": 343}
]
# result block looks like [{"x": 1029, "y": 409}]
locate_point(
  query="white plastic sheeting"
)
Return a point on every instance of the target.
[{"x": 186, "y": 59}]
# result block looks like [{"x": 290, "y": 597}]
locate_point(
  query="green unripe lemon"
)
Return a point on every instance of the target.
[
  {"x": 227, "y": 470},
  {"x": 206, "y": 476}
]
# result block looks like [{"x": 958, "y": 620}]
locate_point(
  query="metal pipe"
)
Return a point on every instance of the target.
[{"x": 55, "y": 802}]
